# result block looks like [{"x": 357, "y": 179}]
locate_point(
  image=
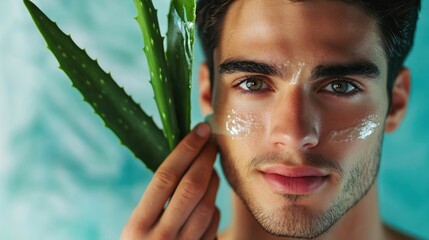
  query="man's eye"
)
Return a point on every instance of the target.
[
  {"x": 252, "y": 84},
  {"x": 341, "y": 87}
]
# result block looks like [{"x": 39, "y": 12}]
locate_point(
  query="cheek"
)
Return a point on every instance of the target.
[
  {"x": 238, "y": 119},
  {"x": 362, "y": 130},
  {"x": 354, "y": 121},
  {"x": 238, "y": 130},
  {"x": 348, "y": 138}
]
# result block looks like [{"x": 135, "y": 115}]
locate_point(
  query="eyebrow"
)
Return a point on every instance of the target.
[
  {"x": 365, "y": 69},
  {"x": 361, "y": 68},
  {"x": 234, "y": 66}
]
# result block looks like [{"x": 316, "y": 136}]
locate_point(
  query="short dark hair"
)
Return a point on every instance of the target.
[{"x": 396, "y": 20}]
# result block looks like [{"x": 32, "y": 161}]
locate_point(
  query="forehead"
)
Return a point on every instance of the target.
[{"x": 308, "y": 30}]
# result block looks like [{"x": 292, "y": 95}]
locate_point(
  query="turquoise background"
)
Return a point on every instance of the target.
[{"x": 64, "y": 176}]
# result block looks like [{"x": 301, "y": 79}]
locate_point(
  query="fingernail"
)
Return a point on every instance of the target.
[{"x": 203, "y": 130}]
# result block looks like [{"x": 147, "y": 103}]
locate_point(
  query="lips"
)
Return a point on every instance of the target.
[{"x": 293, "y": 180}]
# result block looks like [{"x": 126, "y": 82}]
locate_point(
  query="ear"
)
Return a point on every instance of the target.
[
  {"x": 400, "y": 98},
  {"x": 205, "y": 93}
]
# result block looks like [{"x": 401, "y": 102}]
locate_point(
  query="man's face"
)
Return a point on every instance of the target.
[{"x": 299, "y": 101}]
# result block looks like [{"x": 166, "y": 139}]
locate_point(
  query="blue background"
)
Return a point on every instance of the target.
[{"x": 64, "y": 176}]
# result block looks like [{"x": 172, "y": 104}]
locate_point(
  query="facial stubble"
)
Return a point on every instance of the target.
[{"x": 295, "y": 220}]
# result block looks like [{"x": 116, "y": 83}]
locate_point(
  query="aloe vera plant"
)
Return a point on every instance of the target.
[{"x": 170, "y": 82}]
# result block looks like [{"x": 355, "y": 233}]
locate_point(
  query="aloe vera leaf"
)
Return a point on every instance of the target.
[
  {"x": 121, "y": 114},
  {"x": 180, "y": 49},
  {"x": 155, "y": 55}
]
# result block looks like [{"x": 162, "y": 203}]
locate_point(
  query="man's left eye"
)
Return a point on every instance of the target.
[{"x": 341, "y": 87}]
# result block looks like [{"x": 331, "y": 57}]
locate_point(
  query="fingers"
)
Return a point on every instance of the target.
[
  {"x": 187, "y": 178},
  {"x": 202, "y": 215},
  {"x": 211, "y": 231},
  {"x": 167, "y": 177},
  {"x": 190, "y": 190}
]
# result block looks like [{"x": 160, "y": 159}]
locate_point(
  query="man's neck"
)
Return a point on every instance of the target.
[{"x": 360, "y": 222}]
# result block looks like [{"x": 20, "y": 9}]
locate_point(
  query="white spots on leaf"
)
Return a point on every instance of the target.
[
  {"x": 64, "y": 55},
  {"x": 102, "y": 81},
  {"x": 83, "y": 65},
  {"x": 88, "y": 83}
]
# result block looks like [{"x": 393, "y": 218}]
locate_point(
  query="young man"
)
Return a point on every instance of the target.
[{"x": 301, "y": 94}]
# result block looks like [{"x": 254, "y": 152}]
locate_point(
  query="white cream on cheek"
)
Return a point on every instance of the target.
[
  {"x": 233, "y": 124},
  {"x": 239, "y": 126},
  {"x": 358, "y": 133}
]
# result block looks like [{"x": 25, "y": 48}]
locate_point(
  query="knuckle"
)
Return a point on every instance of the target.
[
  {"x": 164, "y": 234},
  {"x": 164, "y": 179},
  {"x": 206, "y": 210},
  {"x": 192, "y": 189},
  {"x": 189, "y": 146}
]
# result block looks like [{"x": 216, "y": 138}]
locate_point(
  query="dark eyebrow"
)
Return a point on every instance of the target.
[
  {"x": 364, "y": 69},
  {"x": 233, "y": 66}
]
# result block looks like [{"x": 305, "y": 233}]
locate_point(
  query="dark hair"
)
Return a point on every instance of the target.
[{"x": 396, "y": 21}]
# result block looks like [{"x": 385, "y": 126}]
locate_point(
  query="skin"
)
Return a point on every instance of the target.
[{"x": 294, "y": 134}]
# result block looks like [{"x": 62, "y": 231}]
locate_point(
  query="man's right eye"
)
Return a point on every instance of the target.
[{"x": 252, "y": 84}]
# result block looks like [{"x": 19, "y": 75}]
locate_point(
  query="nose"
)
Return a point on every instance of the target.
[{"x": 294, "y": 122}]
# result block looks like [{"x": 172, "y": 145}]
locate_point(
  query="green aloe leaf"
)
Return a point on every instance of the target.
[
  {"x": 160, "y": 79},
  {"x": 128, "y": 121},
  {"x": 180, "y": 52}
]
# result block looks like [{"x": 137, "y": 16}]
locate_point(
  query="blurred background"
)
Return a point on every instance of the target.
[{"x": 63, "y": 175}]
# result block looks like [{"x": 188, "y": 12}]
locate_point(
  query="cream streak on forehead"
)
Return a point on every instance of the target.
[{"x": 304, "y": 29}]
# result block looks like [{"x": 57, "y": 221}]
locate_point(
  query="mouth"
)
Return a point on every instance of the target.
[{"x": 296, "y": 180}]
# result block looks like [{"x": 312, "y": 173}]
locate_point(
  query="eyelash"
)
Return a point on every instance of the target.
[
  {"x": 251, "y": 92},
  {"x": 357, "y": 87}
]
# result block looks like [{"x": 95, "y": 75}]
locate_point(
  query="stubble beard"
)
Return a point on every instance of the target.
[{"x": 297, "y": 221}]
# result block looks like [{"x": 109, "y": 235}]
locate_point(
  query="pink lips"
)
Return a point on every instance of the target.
[{"x": 293, "y": 180}]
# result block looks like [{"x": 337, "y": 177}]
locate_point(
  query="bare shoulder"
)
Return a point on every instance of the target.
[{"x": 394, "y": 234}]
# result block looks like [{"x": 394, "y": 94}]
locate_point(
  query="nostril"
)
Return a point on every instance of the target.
[{"x": 310, "y": 141}]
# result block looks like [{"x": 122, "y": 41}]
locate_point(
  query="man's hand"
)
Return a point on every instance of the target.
[{"x": 188, "y": 181}]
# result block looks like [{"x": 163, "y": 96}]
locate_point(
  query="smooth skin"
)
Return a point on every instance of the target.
[
  {"x": 257, "y": 30},
  {"x": 187, "y": 183},
  {"x": 316, "y": 33}
]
